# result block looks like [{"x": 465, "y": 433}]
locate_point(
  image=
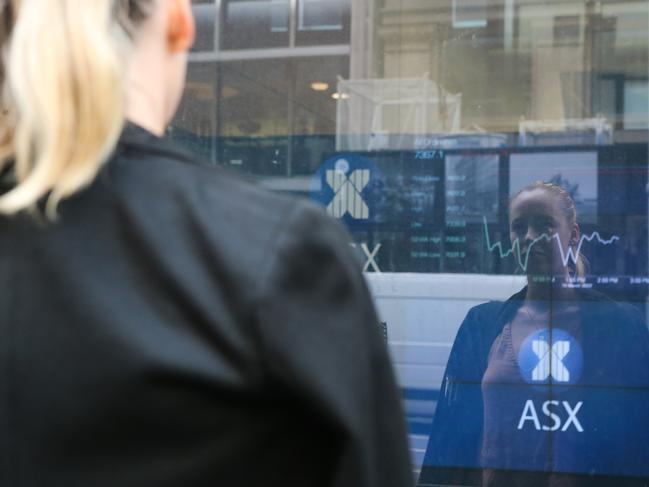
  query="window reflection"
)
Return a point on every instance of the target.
[
  {"x": 323, "y": 22},
  {"x": 321, "y": 15},
  {"x": 533, "y": 383},
  {"x": 246, "y": 116},
  {"x": 205, "y": 15},
  {"x": 249, "y": 24},
  {"x": 471, "y": 13},
  {"x": 431, "y": 116}
]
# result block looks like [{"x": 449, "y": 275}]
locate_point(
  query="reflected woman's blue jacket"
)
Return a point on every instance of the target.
[{"x": 613, "y": 391}]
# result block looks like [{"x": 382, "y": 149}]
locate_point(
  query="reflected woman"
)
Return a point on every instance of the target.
[{"x": 546, "y": 388}]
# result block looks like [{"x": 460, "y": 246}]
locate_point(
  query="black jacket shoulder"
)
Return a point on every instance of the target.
[{"x": 179, "y": 326}]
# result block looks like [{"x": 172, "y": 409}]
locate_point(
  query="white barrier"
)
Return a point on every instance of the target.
[{"x": 423, "y": 313}]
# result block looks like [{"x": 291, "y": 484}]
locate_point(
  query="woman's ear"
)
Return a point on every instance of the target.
[{"x": 181, "y": 28}]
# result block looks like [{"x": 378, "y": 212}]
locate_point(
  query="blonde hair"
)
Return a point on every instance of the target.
[
  {"x": 567, "y": 205},
  {"x": 63, "y": 95}
]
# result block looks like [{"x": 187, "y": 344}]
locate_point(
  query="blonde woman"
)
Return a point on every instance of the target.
[{"x": 162, "y": 323}]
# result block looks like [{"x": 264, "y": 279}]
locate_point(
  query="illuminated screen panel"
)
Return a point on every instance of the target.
[
  {"x": 575, "y": 171},
  {"x": 448, "y": 211},
  {"x": 568, "y": 394}
]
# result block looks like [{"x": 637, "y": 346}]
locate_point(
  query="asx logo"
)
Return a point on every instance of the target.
[
  {"x": 350, "y": 187},
  {"x": 551, "y": 360},
  {"x": 550, "y": 355},
  {"x": 551, "y": 410}
]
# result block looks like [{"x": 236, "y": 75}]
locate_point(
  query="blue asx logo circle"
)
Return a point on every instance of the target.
[
  {"x": 347, "y": 185},
  {"x": 552, "y": 356}
]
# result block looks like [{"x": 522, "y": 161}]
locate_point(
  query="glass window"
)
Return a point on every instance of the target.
[
  {"x": 247, "y": 116},
  {"x": 323, "y": 22},
  {"x": 490, "y": 161},
  {"x": 636, "y": 104},
  {"x": 321, "y": 14},
  {"x": 249, "y": 24},
  {"x": 471, "y": 13},
  {"x": 205, "y": 14}
]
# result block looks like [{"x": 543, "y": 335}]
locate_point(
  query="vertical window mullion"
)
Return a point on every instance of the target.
[
  {"x": 293, "y": 6},
  {"x": 217, "y": 25}
]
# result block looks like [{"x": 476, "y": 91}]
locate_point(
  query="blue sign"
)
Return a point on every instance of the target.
[
  {"x": 551, "y": 355},
  {"x": 348, "y": 186}
]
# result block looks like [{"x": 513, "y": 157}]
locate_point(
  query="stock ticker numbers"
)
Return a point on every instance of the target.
[
  {"x": 467, "y": 188},
  {"x": 447, "y": 210}
]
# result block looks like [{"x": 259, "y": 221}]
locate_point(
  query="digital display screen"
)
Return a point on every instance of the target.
[
  {"x": 528, "y": 389},
  {"x": 447, "y": 211}
]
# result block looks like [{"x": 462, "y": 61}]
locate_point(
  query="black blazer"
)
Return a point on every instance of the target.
[{"x": 179, "y": 327}]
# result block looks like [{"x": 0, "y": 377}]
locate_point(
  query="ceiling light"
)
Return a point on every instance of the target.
[
  {"x": 319, "y": 86},
  {"x": 340, "y": 96}
]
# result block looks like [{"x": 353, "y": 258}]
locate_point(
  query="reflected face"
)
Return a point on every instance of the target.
[{"x": 534, "y": 214}]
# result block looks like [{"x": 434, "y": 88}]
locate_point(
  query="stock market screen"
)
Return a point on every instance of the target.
[
  {"x": 447, "y": 211},
  {"x": 550, "y": 384}
]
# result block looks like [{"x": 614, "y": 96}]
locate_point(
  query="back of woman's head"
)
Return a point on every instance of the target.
[{"x": 62, "y": 75}]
